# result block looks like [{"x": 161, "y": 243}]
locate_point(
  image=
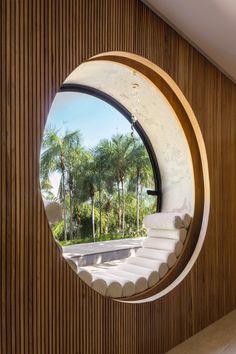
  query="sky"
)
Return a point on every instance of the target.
[{"x": 94, "y": 118}]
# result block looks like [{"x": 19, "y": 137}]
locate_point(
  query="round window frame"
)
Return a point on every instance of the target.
[
  {"x": 137, "y": 126},
  {"x": 190, "y": 126}
]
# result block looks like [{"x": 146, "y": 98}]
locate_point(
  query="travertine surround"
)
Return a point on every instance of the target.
[{"x": 157, "y": 118}]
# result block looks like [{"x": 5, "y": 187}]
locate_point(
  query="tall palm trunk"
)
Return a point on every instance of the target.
[
  {"x": 141, "y": 201},
  {"x": 93, "y": 218},
  {"x": 64, "y": 203},
  {"x": 100, "y": 212},
  {"x": 137, "y": 202},
  {"x": 71, "y": 215},
  {"x": 62, "y": 162},
  {"x": 119, "y": 206},
  {"x": 71, "y": 204},
  {"x": 123, "y": 207}
]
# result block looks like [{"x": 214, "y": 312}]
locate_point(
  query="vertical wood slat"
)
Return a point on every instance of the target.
[
  {"x": 44, "y": 307},
  {"x": 3, "y": 184}
]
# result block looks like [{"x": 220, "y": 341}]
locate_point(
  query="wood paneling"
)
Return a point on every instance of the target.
[{"x": 44, "y": 307}]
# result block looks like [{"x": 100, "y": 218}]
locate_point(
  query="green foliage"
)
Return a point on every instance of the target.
[
  {"x": 85, "y": 223},
  {"x": 58, "y": 229},
  {"x": 138, "y": 233},
  {"x": 102, "y": 191},
  {"x": 108, "y": 237}
]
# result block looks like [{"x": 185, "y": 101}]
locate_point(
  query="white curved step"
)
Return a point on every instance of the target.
[
  {"x": 85, "y": 275},
  {"x": 100, "y": 285},
  {"x": 158, "y": 265},
  {"x": 104, "y": 284},
  {"x": 128, "y": 287},
  {"x": 151, "y": 275},
  {"x": 140, "y": 282},
  {"x": 166, "y": 235},
  {"x": 164, "y": 244},
  {"x": 167, "y": 221},
  {"x": 168, "y": 257},
  {"x": 177, "y": 234}
]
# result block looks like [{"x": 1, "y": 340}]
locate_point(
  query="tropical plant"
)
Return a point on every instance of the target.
[
  {"x": 102, "y": 190},
  {"x": 59, "y": 155},
  {"x": 116, "y": 157},
  {"x": 141, "y": 174},
  {"x": 87, "y": 183},
  {"x": 104, "y": 177}
]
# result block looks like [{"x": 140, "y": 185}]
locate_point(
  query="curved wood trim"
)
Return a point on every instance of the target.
[
  {"x": 138, "y": 127},
  {"x": 196, "y": 145}
]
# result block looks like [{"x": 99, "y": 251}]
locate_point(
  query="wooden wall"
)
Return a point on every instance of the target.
[{"x": 44, "y": 307}]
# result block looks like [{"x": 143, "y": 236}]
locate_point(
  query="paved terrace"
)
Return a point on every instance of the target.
[{"x": 105, "y": 251}]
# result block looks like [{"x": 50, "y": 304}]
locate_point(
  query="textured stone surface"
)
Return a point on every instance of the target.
[
  {"x": 100, "y": 252},
  {"x": 157, "y": 118}
]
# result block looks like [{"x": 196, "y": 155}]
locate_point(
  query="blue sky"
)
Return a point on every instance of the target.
[{"x": 94, "y": 118}]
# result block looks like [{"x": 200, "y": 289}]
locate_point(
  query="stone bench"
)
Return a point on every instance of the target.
[{"x": 166, "y": 234}]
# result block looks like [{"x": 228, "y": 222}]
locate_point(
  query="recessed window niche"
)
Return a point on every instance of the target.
[
  {"x": 97, "y": 163},
  {"x": 172, "y": 216}
]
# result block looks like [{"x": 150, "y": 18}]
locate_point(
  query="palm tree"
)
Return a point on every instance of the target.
[
  {"x": 141, "y": 173},
  {"x": 121, "y": 158},
  {"x": 115, "y": 155},
  {"x": 103, "y": 175},
  {"x": 59, "y": 155},
  {"x": 86, "y": 183},
  {"x": 102, "y": 157},
  {"x": 46, "y": 187}
]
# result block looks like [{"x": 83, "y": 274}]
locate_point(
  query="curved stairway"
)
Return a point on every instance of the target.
[{"x": 166, "y": 234}]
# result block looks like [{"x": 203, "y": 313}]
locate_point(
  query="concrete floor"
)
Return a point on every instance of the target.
[
  {"x": 218, "y": 338},
  {"x": 95, "y": 253},
  {"x": 103, "y": 246}
]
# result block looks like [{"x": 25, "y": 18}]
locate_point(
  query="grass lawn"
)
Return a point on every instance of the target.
[{"x": 97, "y": 239}]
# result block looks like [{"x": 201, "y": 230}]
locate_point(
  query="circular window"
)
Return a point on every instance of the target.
[
  {"x": 164, "y": 122},
  {"x": 97, "y": 169}
]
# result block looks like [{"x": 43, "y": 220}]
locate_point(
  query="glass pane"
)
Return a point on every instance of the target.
[{"x": 95, "y": 171}]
